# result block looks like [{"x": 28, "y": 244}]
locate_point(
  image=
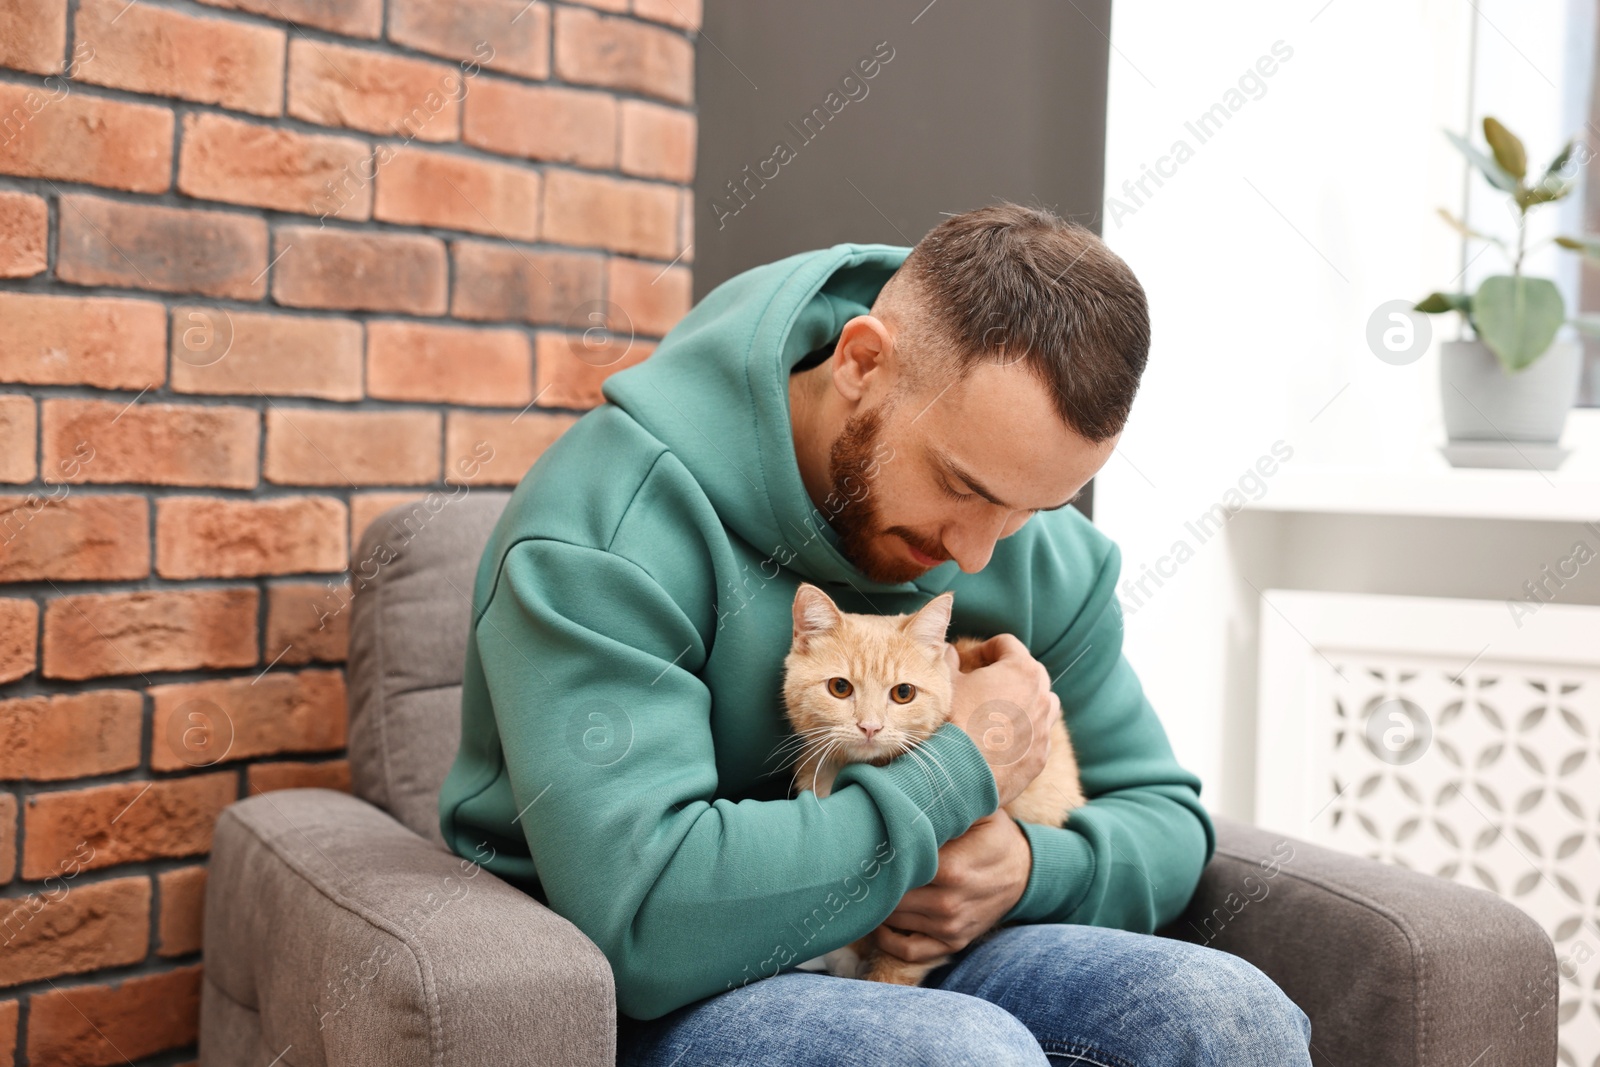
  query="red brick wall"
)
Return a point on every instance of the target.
[{"x": 266, "y": 268}]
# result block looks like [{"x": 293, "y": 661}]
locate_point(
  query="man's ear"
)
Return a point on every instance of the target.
[
  {"x": 814, "y": 613},
  {"x": 864, "y": 347},
  {"x": 928, "y": 625}
]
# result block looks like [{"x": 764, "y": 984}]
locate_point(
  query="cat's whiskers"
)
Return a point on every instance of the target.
[
  {"x": 798, "y": 741},
  {"x": 924, "y": 759},
  {"x": 823, "y": 761}
]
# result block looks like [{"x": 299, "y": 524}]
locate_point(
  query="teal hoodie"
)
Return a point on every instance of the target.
[{"x": 622, "y": 725}]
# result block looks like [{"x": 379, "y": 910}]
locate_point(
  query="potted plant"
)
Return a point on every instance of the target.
[{"x": 1516, "y": 380}]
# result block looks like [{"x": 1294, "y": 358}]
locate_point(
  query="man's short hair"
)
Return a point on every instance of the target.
[{"x": 1011, "y": 283}]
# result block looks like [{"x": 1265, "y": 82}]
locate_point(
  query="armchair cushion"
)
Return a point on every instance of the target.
[
  {"x": 335, "y": 935},
  {"x": 411, "y": 580},
  {"x": 1392, "y": 966}
]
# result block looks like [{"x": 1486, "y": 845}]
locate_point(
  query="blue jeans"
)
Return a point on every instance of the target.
[{"x": 1028, "y": 995}]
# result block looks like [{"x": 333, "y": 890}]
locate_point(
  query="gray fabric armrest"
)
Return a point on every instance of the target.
[
  {"x": 334, "y": 932},
  {"x": 1393, "y": 967}
]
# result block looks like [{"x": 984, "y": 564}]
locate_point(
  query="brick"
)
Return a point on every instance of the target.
[
  {"x": 544, "y": 122},
  {"x": 95, "y": 1025},
  {"x": 204, "y": 537},
  {"x": 151, "y": 444},
  {"x": 8, "y": 869},
  {"x": 686, "y": 226},
  {"x": 684, "y": 14},
  {"x": 264, "y": 166},
  {"x": 279, "y": 712},
  {"x": 75, "y": 735},
  {"x": 109, "y": 342},
  {"x": 360, "y": 271},
  {"x": 80, "y": 138},
  {"x": 179, "y": 930},
  {"x": 347, "y": 196},
  {"x": 265, "y": 777},
  {"x": 332, "y": 85},
  {"x": 148, "y": 49},
  {"x": 571, "y": 370},
  {"x": 222, "y": 351},
  {"x": 448, "y": 364},
  {"x": 593, "y": 211},
  {"x": 172, "y": 818},
  {"x": 74, "y": 927},
  {"x": 308, "y": 622},
  {"x": 652, "y": 297},
  {"x": 19, "y": 432},
  {"x": 515, "y": 441},
  {"x": 104, "y": 634},
  {"x": 594, "y": 49},
  {"x": 350, "y": 18},
  {"x": 24, "y": 232},
  {"x": 74, "y": 537},
  {"x": 657, "y": 141},
  {"x": 33, "y": 37},
  {"x": 495, "y": 282},
  {"x": 315, "y": 447},
  {"x": 365, "y": 507},
  {"x": 19, "y": 640},
  {"x": 508, "y": 35},
  {"x": 172, "y": 250},
  {"x": 456, "y": 193}
]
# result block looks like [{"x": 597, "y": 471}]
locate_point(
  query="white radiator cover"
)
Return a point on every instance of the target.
[{"x": 1460, "y": 738}]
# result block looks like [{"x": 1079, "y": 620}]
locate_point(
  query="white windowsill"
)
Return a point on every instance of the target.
[{"x": 1422, "y": 483}]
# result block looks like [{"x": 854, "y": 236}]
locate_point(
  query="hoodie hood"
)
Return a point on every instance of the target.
[{"x": 716, "y": 392}]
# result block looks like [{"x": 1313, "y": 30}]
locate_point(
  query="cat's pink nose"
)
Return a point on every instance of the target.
[{"x": 869, "y": 729}]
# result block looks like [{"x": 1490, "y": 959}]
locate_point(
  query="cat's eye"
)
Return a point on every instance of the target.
[
  {"x": 902, "y": 693},
  {"x": 840, "y": 687}
]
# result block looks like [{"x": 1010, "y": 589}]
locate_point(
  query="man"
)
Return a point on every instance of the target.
[{"x": 887, "y": 424}]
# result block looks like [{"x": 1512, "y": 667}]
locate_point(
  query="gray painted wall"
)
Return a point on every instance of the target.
[{"x": 983, "y": 99}]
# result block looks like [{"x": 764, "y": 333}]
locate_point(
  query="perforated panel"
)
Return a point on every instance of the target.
[{"x": 1489, "y": 776}]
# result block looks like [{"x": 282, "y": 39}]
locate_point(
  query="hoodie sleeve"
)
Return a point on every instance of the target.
[
  {"x": 1131, "y": 857},
  {"x": 606, "y": 733}
]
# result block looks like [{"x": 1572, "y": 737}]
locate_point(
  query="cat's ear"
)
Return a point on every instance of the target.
[
  {"x": 814, "y": 613},
  {"x": 928, "y": 625}
]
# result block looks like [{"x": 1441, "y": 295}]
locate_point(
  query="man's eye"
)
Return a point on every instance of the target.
[{"x": 952, "y": 494}]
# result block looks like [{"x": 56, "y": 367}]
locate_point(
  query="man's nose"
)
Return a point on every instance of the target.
[
  {"x": 971, "y": 548},
  {"x": 972, "y": 545}
]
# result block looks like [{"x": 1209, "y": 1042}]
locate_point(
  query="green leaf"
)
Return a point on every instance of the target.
[
  {"x": 1508, "y": 150},
  {"x": 1436, "y": 303},
  {"x": 1546, "y": 191},
  {"x": 1588, "y": 245},
  {"x": 1552, "y": 185},
  {"x": 1491, "y": 170},
  {"x": 1559, "y": 163},
  {"x": 1467, "y": 231},
  {"x": 1518, "y": 317}
]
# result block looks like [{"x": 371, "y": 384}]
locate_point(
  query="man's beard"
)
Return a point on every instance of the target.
[{"x": 853, "y": 461}]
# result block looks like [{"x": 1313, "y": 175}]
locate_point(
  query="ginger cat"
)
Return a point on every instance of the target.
[{"x": 868, "y": 688}]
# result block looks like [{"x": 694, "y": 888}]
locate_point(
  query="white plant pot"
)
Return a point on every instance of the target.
[{"x": 1484, "y": 403}]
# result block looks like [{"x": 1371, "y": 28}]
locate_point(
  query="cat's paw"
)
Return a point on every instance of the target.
[{"x": 843, "y": 962}]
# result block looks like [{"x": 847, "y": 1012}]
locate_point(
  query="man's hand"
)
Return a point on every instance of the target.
[
  {"x": 1008, "y": 709},
  {"x": 982, "y": 874}
]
